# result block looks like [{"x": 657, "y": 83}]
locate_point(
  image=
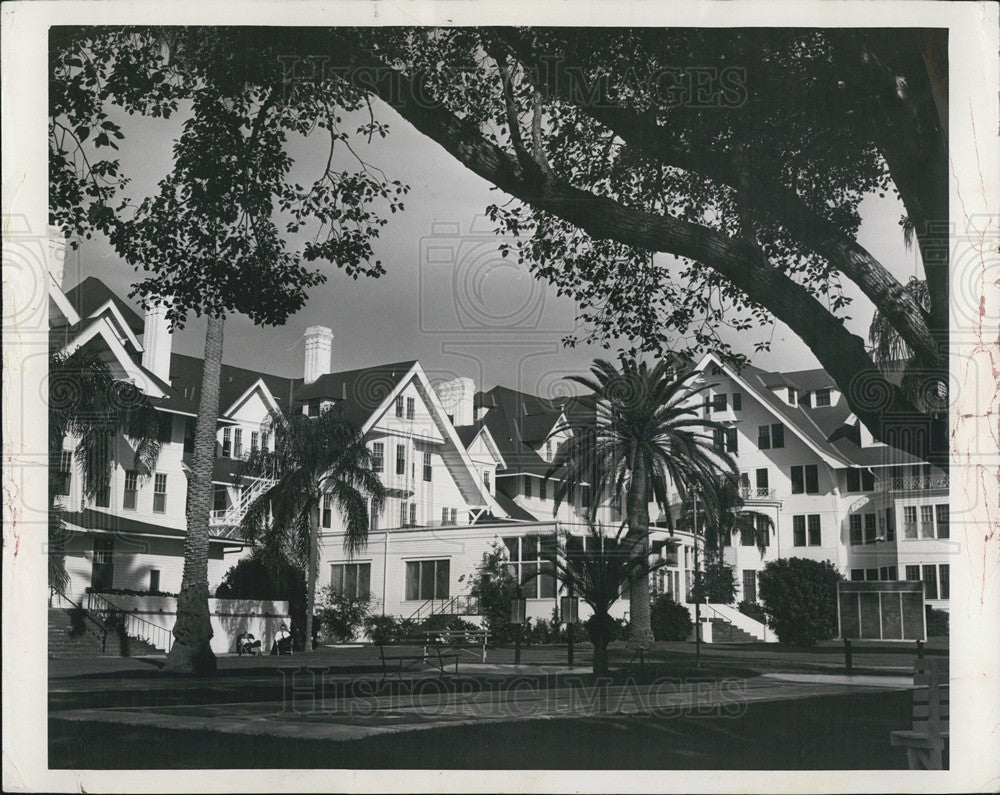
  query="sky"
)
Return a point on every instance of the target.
[{"x": 448, "y": 298}]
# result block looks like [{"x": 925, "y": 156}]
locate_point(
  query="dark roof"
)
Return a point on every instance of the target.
[
  {"x": 90, "y": 294},
  {"x": 358, "y": 392},
  {"x": 515, "y": 418},
  {"x": 468, "y": 433},
  {"x": 91, "y": 519},
  {"x": 185, "y": 378},
  {"x": 512, "y": 508}
]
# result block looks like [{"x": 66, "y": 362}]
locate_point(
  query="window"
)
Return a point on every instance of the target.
[
  {"x": 530, "y": 564},
  {"x": 791, "y": 396},
  {"x": 857, "y": 575},
  {"x": 220, "y": 499},
  {"x": 855, "y": 523},
  {"x": 165, "y": 428},
  {"x": 254, "y": 441},
  {"x": 799, "y": 530},
  {"x": 486, "y": 480},
  {"x": 373, "y": 516},
  {"x": 352, "y": 580},
  {"x": 227, "y": 442},
  {"x": 815, "y": 536},
  {"x": 527, "y": 485},
  {"x": 718, "y": 439},
  {"x": 64, "y": 472},
  {"x": 189, "y": 436},
  {"x": 799, "y": 527},
  {"x": 548, "y": 449},
  {"x": 750, "y": 585},
  {"x": 944, "y": 581},
  {"x": 327, "y": 513},
  {"x": 445, "y": 514},
  {"x": 542, "y": 489},
  {"x": 731, "y": 440},
  {"x": 265, "y": 440},
  {"x": 154, "y": 580},
  {"x": 853, "y": 480},
  {"x": 413, "y": 514},
  {"x": 404, "y": 514},
  {"x": 378, "y": 456},
  {"x": 719, "y": 402},
  {"x": 927, "y": 521},
  {"x": 399, "y": 406},
  {"x": 930, "y": 582},
  {"x": 798, "y": 483},
  {"x": 400, "y": 459},
  {"x": 761, "y": 522},
  {"x": 131, "y": 490},
  {"x": 805, "y": 479},
  {"x": 237, "y": 443},
  {"x": 871, "y": 574},
  {"x": 454, "y": 515},
  {"x": 764, "y": 437},
  {"x": 812, "y": 479},
  {"x": 909, "y": 521},
  {"x": 777, "y": 435},
  {"x": 822, "y": 397},
  {"x": 737, "y": 401},
  {"x": 913, "y": 572},
  {"x": 747, "y": 539},
  {"x": 941, "y": 515},
  {"x": 762, "y": 480},
  {"x": 411, "y": 406},
  {"x": 160, "y": 493},
  {"x": 427, "y": 579},
  {"x": 870, "y": 532},
  {"x": 428, "y": 470},
  {"x": 103, "y": 497},
  {"x": 890, "y": 524}
]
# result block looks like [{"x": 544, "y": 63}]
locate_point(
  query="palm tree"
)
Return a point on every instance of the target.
[
  {"x": 92, "y": 407},
  {"x": 597, "y": 568},
  {"x": 314, "y": 459},
  {"x": 643, "y": 439},
  {"x": 729, "y": 518}
]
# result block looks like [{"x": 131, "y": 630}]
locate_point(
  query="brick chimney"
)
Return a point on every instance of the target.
[
  {"x": 157, "y": 341},
  {"x": 319, "y": 347}
]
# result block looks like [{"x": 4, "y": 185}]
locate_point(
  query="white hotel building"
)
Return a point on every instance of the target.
[{"x": 464, "y": 469}]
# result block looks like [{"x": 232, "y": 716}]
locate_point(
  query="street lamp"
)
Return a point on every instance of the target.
[
  {"x": 569, "y": 610},
  {"x": 518, "y": 611}
]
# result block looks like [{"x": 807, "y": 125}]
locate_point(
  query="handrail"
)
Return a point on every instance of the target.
[
  {"x": 101, "y": 633},
  {"x": 449, "y": 606},
  {"x": 134, "y": 626}
]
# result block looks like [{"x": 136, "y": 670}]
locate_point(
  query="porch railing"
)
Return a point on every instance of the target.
[{"x": 90, "y": 624}]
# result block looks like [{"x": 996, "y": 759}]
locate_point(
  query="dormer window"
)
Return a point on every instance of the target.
[
  {"x": 822, "y": 397},
  {"x": 791, "y": 396}
]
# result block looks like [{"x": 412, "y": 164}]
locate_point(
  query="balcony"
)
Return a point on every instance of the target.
[
  {"x": 399, "y": 484},
  {"x": 751, "y": 493},
  {"x": 913, "y": 483}
]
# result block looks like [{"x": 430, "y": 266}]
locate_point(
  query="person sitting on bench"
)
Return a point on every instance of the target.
[
  {"x": 247, "y": 644},
  {"x": 282, "y": 641}
]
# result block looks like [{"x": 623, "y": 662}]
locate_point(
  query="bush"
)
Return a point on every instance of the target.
[
  {"x": 752, "y": 610},
  {"x": 800, "y": 599},
  {"x": 495, "y": 586},
  {"x": 256, "y": 577},
  {"x": 719, "y": 581},
  {"x": 339, "y": 617},
  {"x": 937, "y": 623},
  {"x": 126, "y": 592},
  {"x": 440, "y": 623},
  {"x": 670, "y": 621}
]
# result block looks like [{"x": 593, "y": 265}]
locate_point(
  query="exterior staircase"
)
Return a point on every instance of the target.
[
  {"x": 93, "y": 639},
  {"x": 724, "y": 632},
  {"x": 462, "y": 605}
]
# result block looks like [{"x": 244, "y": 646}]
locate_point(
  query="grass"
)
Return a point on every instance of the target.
[{"x": 825, "y": 732}]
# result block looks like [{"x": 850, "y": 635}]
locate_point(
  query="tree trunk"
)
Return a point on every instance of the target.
[
  {"x": 312, "y": 574},
  {"x": 192, "y": 651},
  {"x": 640, "y": 628}
]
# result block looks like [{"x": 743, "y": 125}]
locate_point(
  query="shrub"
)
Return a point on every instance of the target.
[
  {"x": 752, "y": 610},
  {"x": 937, "y": 623},
  {"x": 381, "y": 629},
  {"x": 339, "y": 617},
  {"x": 440, "y": 623},
  {"x": 670, "y": 621},
  {"x": 800, "y": 599},
  {"x": 718, "y": 579},
  {"x": 126, "y": 592},
  {"x": 495, "y": 586}
]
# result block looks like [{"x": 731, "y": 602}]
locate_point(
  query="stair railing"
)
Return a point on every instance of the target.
[
  {"x": 95, "y": 627},
  {"x": 133, "y": 626},
  {"x": 460, "y": 605}
]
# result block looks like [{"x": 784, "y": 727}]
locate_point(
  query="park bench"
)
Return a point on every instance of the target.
[
  {"x": 434, "y": 648},
  {"x": 925, "y": 742}
]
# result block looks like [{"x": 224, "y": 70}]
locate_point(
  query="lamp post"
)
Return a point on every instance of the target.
[
  {"x": 697, "y": 595},
  {"x": 518, "y": 609},
  {"x": 569, "y": 608}
]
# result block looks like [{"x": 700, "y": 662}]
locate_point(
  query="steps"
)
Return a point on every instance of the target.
[
  {"x": 65, "y": 643},
  {"x": 724, "y": 632}
]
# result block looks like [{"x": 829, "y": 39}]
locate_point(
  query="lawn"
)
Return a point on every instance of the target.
[{"x": 827, "y": 732}]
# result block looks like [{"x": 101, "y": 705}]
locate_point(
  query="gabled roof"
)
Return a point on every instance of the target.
[
  {"x": 359, "y": 393},
  {"x": 91, "y": 294},
  {"x": 185, "y": 377},
  {"x": 514, "y": 419},
  {"x": 91, "y": 519},
  {"x": 467, "y": 434}
]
